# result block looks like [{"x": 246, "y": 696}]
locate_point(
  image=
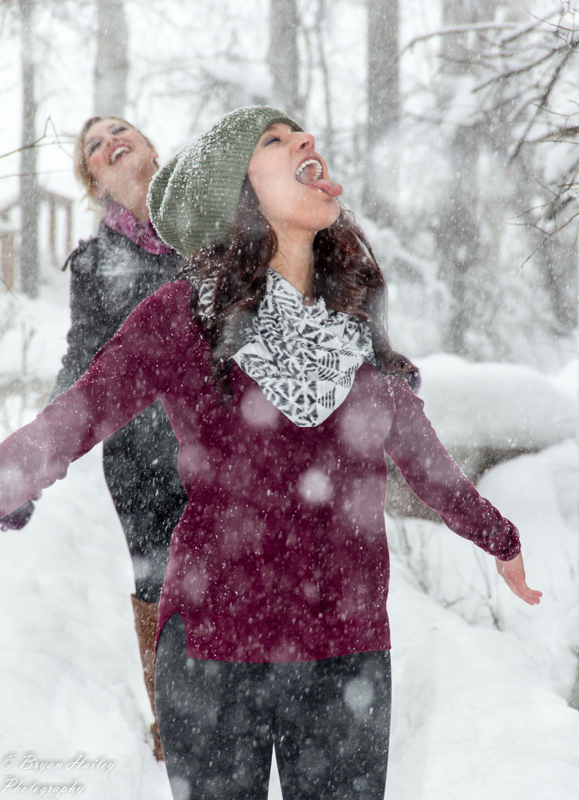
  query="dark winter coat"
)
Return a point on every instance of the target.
[
  {"x": 110, "y": 276},
  {"x": 281, "y": 553}
]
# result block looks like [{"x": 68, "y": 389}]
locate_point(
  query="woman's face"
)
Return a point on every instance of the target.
[
  {"x": 117, "y": 157},
  {"x": 291, "y": 181}
]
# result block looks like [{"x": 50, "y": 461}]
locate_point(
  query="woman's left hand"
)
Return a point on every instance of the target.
[
  {"x": 513, "y": 573},
  {"x": 16, "y": 520}
]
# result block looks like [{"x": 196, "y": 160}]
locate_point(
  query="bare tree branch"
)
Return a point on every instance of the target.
[{"x": 450, "y": 31}]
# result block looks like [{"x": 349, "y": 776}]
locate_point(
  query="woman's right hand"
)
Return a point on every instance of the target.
[{"x": 513, "y": 573}]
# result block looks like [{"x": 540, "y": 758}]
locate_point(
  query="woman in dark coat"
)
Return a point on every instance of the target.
[
  {"x": 272, "y": 361},
  {"x": 110, "y": 275}
]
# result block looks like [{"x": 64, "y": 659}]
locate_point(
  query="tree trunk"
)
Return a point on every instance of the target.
[
  {"x": 321, "y": 36},
  {"x": 29, "y": 195},
  {"x": 383, "y": 82},
  {"x": 112, "y": 64},
  {"x": 283, "y": 55},
  {"x": 458, "y": 234},
  {"x": 561, "y": 274},
  {"x": 458, "y": 242},
  {"x": 380, "y": 198},
  {"x": 464, "y": 12}
]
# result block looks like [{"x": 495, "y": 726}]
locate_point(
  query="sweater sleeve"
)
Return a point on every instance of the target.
[
  {"x": 438, "y": 481},
  {"x": 128, "y": 374}
]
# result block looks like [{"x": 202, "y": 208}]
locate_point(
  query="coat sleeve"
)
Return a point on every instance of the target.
[
  {"x": 128, "y": 374},
  {"x": 438, "y": 481},
  {"x": 89, "y": 327}
]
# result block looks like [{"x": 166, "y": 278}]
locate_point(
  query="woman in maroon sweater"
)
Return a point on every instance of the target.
[{"x": 272, "y": 362}]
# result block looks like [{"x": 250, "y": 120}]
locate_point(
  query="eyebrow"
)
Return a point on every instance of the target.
[{"x": 111, "y": 126}]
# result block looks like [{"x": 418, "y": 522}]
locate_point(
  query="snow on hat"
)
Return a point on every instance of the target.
[{"x": 193, "y": 198}]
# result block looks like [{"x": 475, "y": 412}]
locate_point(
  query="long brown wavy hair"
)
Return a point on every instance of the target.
[{"x": 346, "y": 275}]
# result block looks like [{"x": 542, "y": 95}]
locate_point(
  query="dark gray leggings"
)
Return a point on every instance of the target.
[{"x": 329, "y": 721}]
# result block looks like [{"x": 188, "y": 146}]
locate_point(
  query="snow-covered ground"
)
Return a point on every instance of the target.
[
  {"x": 480, "y": 679},
  {"x": 71, "y": 680},
  {"x": 480, "y": 713}
]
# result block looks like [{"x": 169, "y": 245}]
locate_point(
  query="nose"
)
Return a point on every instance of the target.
[
  {"x": 108, "y": 140},
  {"x": 304, "y": 141},
  {"x": 111, "y": 137}
]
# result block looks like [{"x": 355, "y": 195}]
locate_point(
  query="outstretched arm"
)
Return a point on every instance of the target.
[
  {"x": 128, "y": 374},
  {"x": 513, "y": 573},
  {"x": 434, "y": 476}
]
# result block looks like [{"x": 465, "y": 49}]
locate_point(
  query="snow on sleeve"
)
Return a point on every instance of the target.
[{"x": 506, "y": 406}]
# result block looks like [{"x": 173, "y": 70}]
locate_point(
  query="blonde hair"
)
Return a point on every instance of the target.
[{"x": 79, "y": 165}]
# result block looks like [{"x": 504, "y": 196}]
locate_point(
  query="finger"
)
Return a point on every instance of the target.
[
  {"x": 530, "y": 596},
  {"x": 519, "y": 587}
]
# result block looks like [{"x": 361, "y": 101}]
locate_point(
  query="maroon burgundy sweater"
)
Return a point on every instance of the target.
[{"x": 281, "y": 553}]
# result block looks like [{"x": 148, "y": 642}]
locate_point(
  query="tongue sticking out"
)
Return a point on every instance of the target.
[{"x": 329, "y": 187}]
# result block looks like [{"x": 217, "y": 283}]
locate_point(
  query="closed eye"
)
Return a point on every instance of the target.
[
  {"x": 270, "y": 140},
  {"x": 118, "y": 129},
  {"x": 91, "y": 147}
]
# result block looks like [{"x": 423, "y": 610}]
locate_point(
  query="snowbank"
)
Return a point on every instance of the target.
[{"x": 502, "y": 406}]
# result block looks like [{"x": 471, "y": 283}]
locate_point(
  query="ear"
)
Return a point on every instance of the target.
[{"x": 99, "y": 193}]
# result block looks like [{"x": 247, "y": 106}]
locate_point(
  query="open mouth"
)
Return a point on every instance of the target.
[
  {"x": 309, "y": 171},
  {"x": 118, "y": 152}
]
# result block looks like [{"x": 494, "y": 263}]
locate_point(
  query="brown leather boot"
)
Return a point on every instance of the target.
[{"x": 146, "y": 618}]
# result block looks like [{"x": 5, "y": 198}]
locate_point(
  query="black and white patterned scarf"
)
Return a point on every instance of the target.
[{"x": 304, "y": 358}]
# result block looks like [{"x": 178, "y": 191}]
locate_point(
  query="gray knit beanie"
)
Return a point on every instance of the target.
[{"x": 193, "y": 198}]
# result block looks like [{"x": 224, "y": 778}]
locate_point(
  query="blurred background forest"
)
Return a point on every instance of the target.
[{"x": 452, "y": 125}]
